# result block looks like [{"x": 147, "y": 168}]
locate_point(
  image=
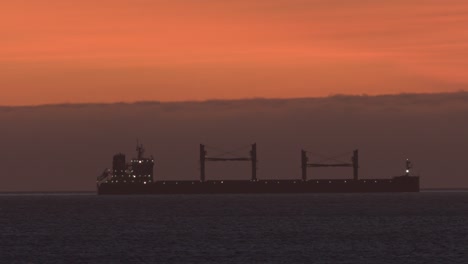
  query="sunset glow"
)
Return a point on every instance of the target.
[{"x": 62, "y": 51}]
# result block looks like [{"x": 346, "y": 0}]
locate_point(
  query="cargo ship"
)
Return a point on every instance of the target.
[{"x": 136, "y": 177}]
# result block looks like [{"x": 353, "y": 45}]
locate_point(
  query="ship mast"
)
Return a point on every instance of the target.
[
  {"x": 409, "y": 165},
  {"x": 140, "y": 150}
]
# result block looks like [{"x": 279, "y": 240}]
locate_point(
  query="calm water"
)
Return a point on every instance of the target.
[{"x": 429, "y": 227}]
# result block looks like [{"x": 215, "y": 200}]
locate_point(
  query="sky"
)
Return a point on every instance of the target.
[
  {"x": 387, "y": 77},
  {"x": 65, "y": 147},
  {"x": 63, "y": 51}
]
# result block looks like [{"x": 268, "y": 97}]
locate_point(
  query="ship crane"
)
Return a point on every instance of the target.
[
  {"x": 252, "y": 158},
  {"x": 305, "y": 164}
]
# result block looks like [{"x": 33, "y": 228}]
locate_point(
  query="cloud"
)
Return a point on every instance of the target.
[{"x": 64, "y": 147}]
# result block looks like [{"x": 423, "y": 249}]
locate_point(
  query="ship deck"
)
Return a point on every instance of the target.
[{"x": 395, "y": 184}]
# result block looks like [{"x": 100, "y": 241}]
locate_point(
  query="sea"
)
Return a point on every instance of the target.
[{"x": 426, "y": 227}]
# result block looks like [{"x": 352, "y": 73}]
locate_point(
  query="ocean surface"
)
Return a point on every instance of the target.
[{"x": 427, "y": 227}]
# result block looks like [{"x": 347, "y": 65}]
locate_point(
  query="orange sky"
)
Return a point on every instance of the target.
[{"x": 60, "y": 51}]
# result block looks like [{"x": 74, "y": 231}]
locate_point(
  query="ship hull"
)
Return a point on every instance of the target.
[{"x": 396, "y": 184}]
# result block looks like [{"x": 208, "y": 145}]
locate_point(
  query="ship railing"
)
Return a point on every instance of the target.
[{"x": 104, "y": 177}]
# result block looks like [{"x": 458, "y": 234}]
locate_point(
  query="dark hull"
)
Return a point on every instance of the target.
[{"x": 396, "y": 184}]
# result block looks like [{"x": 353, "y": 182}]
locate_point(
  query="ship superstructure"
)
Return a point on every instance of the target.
[{"x": 138, "y": 171}]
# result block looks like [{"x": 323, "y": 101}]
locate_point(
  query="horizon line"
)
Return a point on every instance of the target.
[{"x": 82, "y": 192}]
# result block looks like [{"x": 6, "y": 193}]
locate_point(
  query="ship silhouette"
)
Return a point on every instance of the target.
[{"x": 136, "y": 177}]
